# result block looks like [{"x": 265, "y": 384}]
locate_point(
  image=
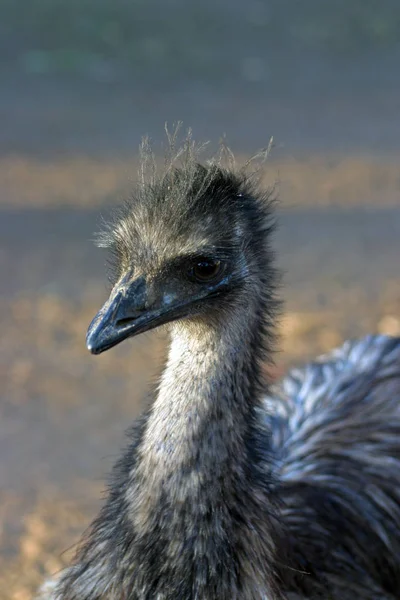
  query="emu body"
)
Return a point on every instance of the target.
[{"x": 230, "y": 490}]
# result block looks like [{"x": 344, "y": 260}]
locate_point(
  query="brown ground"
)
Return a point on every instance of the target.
[{"x": 63, "y": 411}]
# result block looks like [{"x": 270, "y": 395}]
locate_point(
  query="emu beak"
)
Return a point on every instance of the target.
[{"x": 126, "y": 313}]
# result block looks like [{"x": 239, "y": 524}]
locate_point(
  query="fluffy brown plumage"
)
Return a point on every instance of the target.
[{"x": 228, "y": 490}]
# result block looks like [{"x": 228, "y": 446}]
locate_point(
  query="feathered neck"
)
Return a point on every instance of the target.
[
  {"x": 201, "y": 479},
  {"x": 200, "y": 420}
]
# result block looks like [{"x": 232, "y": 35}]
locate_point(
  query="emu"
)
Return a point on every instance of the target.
[{"x": 230, "y": 488}]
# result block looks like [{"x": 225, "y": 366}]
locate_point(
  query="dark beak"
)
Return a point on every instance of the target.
[{"x": 125, "y": 314}]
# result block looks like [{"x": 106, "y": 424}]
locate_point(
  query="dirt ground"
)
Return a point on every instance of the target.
[{"x": 63, "y": 412}]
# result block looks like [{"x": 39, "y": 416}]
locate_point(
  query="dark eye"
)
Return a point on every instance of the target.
[{"x": 205, "y": 269}]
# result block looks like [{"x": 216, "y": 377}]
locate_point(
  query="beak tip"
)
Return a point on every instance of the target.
[
  {"x": 90, "y": 344},
  {"x": 93, "y": 349}
]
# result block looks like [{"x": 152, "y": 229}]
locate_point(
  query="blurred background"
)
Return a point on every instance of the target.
[{"x": 81, "y": 82}]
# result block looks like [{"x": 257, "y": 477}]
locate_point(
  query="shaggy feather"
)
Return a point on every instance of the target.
[
  {"x": 336, "y": 429},
  {"x": 228, "y": 491}
]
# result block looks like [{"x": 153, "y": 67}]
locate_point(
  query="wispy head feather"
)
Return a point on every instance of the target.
[{"x": 191, "y": 198}]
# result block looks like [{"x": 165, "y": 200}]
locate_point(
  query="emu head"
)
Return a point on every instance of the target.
[{"x": 191, "y": 245}]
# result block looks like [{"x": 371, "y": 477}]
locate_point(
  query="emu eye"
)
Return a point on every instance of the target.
[{"x": 205, "y": 269}]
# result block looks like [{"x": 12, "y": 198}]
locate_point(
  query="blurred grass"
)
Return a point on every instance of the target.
[{"x": 101, "y": 37}]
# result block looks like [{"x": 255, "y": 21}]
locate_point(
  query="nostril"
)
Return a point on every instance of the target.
[
  {"x": 125, "y": 321},
  {"x": 130, "y": 316}
]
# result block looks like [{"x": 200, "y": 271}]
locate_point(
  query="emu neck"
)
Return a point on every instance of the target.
[
  {"x": 200, "y": 472},
  {"x": 200, "y": 418}
]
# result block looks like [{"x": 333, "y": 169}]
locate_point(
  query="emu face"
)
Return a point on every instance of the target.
[{"x": 184, "y": 247}]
